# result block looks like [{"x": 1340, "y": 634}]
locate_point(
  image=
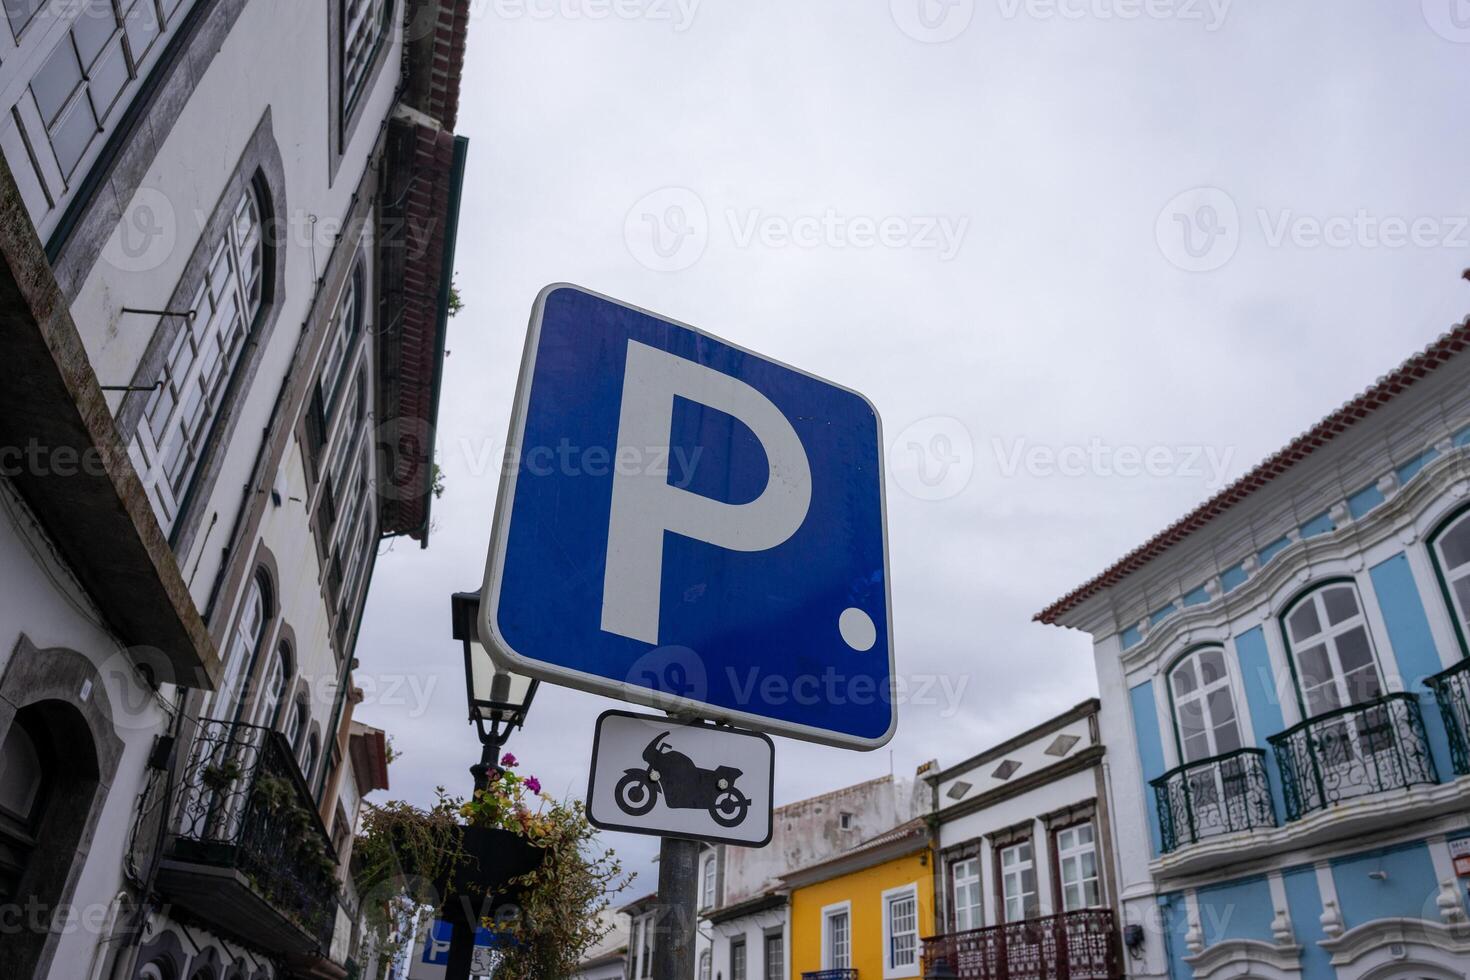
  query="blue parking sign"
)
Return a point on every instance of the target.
[{"x": 693, "y": 527}]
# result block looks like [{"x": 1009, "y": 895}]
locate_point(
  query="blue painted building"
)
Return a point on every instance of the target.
[{"x": 1286, "y": 702}]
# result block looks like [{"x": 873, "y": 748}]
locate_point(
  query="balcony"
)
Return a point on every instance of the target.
[
  {"x": 1071, "y": 946},
  {"x": 1452, "y": 690},
  {"x": 1227, "y": 794},
  {"x": 830, "y": 975},
  {"x": 247, "y": 853},
  {"x": 1353, "y": 752}
]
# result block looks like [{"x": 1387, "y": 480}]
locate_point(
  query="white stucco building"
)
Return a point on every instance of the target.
[
  {"x": 226, "y": 246},
  {"x": 1025, "y": 878},
  {"x": 1286, "y": 702}
]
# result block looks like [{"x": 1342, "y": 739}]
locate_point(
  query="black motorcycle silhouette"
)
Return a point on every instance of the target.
[{"x": 683, "y": 786}]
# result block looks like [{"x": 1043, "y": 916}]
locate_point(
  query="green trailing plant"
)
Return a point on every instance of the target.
[
  {"x": 221, "y": 777},
  {"x": 402, "y": 850}
]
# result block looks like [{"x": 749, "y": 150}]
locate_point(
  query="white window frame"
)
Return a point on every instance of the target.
[
  {"x": 775, "y": 969},
  {"x": 1451, "y": 576},
  {"x": 706, "y": 965},
  {"x": 24, "y": 135},
  {"x": 1328, "y": 635},
  {"x": 976, "y": 917},
  {"x": 830, "y": 912},
  {"x": 1201, "y": 695},
  {"x": 740, "y": 943},
  {"x": 366, "y": 27},
  {"x": 1074, "y": 855},
  {"x": 227, "y": 305},
  {"x": 890, "y": 899},
  {"x": 1018, "y": 870},
  {"x": 707, "y": 872}
]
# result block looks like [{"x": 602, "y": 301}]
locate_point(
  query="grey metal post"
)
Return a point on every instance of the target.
[{"x": 678, "y": 881}]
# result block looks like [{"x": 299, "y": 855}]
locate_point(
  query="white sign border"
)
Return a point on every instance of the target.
[
  {"x": 501, "y": 650},
  {"x": 676, "y": 724}
]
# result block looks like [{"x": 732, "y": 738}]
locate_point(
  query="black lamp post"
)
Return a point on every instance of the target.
[
  {"x": 498, "y": 702},
  {"x": 498, "y": 699}
]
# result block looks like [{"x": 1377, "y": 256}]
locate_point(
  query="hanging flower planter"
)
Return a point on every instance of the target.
[{"x": 534, "y": 876}]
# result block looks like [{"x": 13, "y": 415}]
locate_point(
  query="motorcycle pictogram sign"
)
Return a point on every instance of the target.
[{"x": 651, "y": 775}]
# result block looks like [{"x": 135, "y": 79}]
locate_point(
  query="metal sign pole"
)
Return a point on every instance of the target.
[{"x": 678, "y": 881}]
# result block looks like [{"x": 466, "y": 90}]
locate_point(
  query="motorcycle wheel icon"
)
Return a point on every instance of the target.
[
  {"x": 730, "y": 808},
  {"x": 636, "y": 794}
]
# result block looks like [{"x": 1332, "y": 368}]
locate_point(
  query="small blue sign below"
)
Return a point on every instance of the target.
[{"x": 693, "y": 527}]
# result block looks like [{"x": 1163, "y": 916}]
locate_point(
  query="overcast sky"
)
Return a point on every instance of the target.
[{"x": 1045, "y": 238}]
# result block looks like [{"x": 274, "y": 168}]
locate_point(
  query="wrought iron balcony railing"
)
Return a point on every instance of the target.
[
  {"x": 1212, "y": 797},
  {"x": 244, "y": 807},
  {"x": 1452, "y": 690},
  {"x": 830, "y": 975},
  {"x": 1352, "y": 752},
  {"x": 1071, "y": 946}
]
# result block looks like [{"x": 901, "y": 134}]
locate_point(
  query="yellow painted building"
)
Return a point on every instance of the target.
[{"x": 867, "y": 910}]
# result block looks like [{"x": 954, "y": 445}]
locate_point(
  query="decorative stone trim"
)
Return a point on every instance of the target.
[
  {"x": 1385, "y": 942},
  {"x": 1247, "y": 957}
]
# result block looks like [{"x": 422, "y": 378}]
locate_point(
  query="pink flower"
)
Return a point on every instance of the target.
[
  {"x": 508, "y": 760},
  {"x": 533, "y": 784}
]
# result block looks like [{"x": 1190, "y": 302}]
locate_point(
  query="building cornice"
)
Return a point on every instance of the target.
[
  {"x": 1074, "y": 714},
  {"x": 1082, "y": 761}
]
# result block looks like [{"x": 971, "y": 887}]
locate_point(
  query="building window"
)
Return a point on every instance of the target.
[
  {"x": 901, "y": 931},
  {"x": 310, "y": 756},
  {"x": 737, "y": 959},
  {"x": 255, "y": 612},
  {"x": 268, "y": 709},
  {"x": 1452, "y": 556},
  {"x": 775, "y": 956},
  {"x": 706, "y": 966},
  {"x": 78, "y": 89},
  {"x": 707, "y": 883},
  {"x": 836, "y": 939},
  {"x": 296, "y": 734},
  {"x": 1077, "y": 860},
  {"x": 1332, "y": 651},
  {"x": 1204, "y": 706},
  {"x": 191, "y": 384},
  {"x": 365, "y": 25},
  {"x": 965, "y": 887},
  {"x": 1018, "y": 882},
  {"x": 341, "y": 337},
  {"x": 845, "y": 821}
]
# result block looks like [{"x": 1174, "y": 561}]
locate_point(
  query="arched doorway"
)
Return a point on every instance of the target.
[{"x": 49, "y": 784}]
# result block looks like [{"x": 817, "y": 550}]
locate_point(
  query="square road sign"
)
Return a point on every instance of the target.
[{"x": 693, "y": 527}]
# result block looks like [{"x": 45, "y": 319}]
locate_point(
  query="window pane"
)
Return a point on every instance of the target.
[
  {"x": 1364, "y": 685},
  {"x": 56, "y": 81},
  {"x": 1222, "y": 706},
  {"x": 92, "y": 29},
  {"x": 1197, "y": 747},
  {"x": 1462, "y": 592},
  {"x": 20, "y": 13},
  {"x": 1315, "y": 666},
  {"x": 108, "y": 77},
  {"x": 1454, "y": 547},
  {"x": 142, "y": 27},
  {"x": 1211, "y": 666},
  {"x": 1341, "y": 604},
  {"x": 1304, "y": 622},
  {"x": 1227, "y": 738},
  {"x": 1322, "y": 698},
  {"x": 1353, "y": 650},
  {"x": 1184, "y": 678}
]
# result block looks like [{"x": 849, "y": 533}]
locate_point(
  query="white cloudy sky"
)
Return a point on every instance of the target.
[{"x": 1320, "y": 152}]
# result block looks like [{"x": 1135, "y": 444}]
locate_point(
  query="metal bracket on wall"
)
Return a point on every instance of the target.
[
  {"x": 189, "y": 315},
  {"x": 153, "y": 387}
]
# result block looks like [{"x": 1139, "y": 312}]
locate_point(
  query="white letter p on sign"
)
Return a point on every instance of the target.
[{"x": 644, "y": 505}]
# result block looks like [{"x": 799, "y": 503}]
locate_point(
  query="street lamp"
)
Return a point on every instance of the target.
[{"x": 498, "y": 699}]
